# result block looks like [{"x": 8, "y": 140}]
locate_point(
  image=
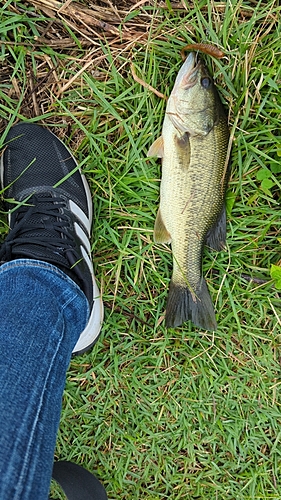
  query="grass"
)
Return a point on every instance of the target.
[{"x": 154, "y": 413}]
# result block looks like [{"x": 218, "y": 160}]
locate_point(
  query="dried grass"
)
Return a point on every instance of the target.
[{"x": 121, "y": 28}]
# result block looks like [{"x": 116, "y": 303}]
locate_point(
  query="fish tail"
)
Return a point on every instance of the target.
[{"x": 196, "y": 305}]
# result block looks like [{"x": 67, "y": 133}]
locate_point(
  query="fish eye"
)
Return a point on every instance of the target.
[{"x": 206, "y": 82}]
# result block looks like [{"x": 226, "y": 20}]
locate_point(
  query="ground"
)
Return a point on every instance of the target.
[{"x": 153, "y": 413}]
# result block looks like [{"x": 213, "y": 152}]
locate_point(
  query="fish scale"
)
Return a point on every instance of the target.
[{"x": 193, "y": 148}]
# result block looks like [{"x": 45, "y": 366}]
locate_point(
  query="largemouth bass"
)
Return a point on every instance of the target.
[{"x": 193, "y": 147}]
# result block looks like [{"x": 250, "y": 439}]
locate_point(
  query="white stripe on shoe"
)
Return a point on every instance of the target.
[{"x": 92, "y": 330}]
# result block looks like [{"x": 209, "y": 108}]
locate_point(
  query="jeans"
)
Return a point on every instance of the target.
[{"x": 43, "y": 314}]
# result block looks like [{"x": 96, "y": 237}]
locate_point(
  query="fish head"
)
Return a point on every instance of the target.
[{"x": 193, "y": 105}]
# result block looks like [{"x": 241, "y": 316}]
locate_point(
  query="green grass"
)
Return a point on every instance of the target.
[{"x": 182, "y": 413}]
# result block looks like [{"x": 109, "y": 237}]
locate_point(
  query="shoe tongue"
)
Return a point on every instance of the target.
[
  {"x": 43, "y": 226},
  {"x": 39, "y": 231},
  {"x": 42, "y": 218}
]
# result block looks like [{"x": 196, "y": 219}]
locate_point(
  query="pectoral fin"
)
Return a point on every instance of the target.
[
  {"x": 157, "y": 148},
  {"x": 161, "y": 235},
  {"x": 216, "y": 235}
]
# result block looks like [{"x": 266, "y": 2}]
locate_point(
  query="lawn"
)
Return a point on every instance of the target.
[{"x": 157, "y": 413}]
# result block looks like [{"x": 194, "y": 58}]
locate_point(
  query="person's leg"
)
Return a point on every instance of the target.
[
  {"x": 42, "y": 314},
  {"x": 50, "y": 304}
]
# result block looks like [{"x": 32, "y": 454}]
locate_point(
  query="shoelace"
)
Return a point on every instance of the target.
[{"x": 43, "y": 223}]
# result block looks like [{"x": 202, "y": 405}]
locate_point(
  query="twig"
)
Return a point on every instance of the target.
[
  {"x": 259, "y": 281},
  {"x": 69, "y": 83},
  {"x": 131, "y": 316},
  {"x": 33, "y": 95},
  {"x": 146, "y": 85}
]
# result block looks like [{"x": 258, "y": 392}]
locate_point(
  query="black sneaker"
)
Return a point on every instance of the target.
[
  {"x": 50, "y": 213},
  {"x": 77, "y": 482}
]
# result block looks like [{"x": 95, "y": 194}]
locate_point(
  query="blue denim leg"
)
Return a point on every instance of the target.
[{"x": 42, "y": 315}]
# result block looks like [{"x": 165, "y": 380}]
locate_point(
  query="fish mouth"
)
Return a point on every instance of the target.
[
  {"x": 187, "y": 75},
  {"x": 186, "y": 79}
]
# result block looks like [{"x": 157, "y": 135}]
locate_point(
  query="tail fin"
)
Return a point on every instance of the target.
[{"x": 183, "y": 305}]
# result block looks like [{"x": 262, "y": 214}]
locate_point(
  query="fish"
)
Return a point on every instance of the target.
[{"x": 193, "y": 147}]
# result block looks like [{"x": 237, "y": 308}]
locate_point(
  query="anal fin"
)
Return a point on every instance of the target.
[{"x": 161, "y": 235}]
